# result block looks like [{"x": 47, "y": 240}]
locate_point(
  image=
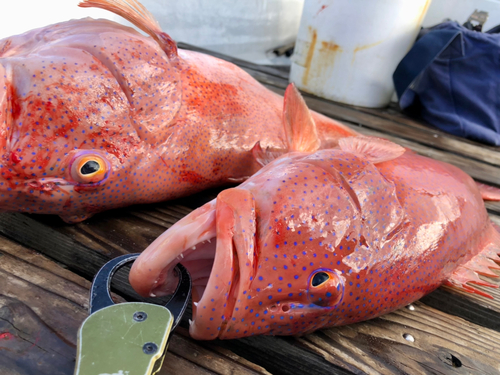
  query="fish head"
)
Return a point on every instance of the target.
[
  {"x": 77, "y": 130},
  {"x": 259, "y": 264}
]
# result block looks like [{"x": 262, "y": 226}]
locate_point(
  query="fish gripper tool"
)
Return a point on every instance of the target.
[{"x": 129, "y": 338}]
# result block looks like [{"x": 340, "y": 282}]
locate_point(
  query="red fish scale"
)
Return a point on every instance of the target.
[
  {"x": 391, "y": 233},
  {"x": 167, "y": 128}
]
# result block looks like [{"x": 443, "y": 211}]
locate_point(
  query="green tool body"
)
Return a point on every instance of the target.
[
  {"x": 124, "y": 339},
  {"x": 129, "y": 338}
]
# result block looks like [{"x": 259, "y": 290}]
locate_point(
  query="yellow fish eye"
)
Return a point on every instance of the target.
[
  {"x": 319, "y": 278},
  {"x": 88, "y": 169},
  {"x": 326, "y": 288}
]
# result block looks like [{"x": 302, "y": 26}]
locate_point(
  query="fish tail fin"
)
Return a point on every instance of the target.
[
  {"x": 136, "y": 13},
  {"x": 488, "y": 193},
  {"x": 481, "y": 264}
]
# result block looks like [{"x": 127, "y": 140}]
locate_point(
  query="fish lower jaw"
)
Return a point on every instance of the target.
[{"x": 214, "y": 296}]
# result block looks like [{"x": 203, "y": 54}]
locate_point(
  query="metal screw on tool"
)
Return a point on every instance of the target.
[
  {"x": 140, "y": 316},
  {"x": 150, "y": 348}
]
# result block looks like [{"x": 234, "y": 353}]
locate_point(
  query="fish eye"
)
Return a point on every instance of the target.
[
  {"x": 89, "y": 168},
  {"x": 319, "y": 278},
  {"x": 326, "y": 288}
]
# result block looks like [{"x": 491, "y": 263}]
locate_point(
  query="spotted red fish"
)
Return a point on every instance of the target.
[
  {"x": 94, "y": 115},
  {"x": 319, "y": 238}
]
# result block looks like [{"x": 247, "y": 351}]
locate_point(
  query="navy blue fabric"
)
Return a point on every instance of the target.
[{"x": 451, "y": 79}]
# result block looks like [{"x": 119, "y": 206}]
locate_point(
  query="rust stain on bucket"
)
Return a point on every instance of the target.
[
  {"x": 330, "y": 47},
  {"x": 310, "y": 53},
  {"x": 364, "y": 47},
  {"x": 323, "y": 60}
]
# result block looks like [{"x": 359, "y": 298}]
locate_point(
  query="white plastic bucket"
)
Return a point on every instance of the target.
[
  {"x": 248, "y": 30},
  {"x": 347, "y": 50}
]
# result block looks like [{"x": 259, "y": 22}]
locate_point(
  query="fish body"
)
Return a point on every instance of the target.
[
  {"x": 324, "y": 238},
  {"x": 149, "y": 122}
]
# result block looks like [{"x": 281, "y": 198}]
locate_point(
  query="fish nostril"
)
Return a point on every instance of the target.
[{"x": 285, "y": 308}]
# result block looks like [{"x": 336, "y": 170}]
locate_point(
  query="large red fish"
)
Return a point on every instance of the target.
[
  {"x": 94, "y": 115},
  {"x": 324, "y": 238}
]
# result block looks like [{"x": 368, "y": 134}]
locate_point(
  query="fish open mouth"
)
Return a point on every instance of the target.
[{"x": 212, "y": 245}]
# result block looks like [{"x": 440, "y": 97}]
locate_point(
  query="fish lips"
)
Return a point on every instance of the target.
[{"x": 228, "y": 224}]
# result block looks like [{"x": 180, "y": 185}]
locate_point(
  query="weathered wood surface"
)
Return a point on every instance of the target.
[
  {"x": 41, "y": 307},
  {"x": 42, "y": 301}
]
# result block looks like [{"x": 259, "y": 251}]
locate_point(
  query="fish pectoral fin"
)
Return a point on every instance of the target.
[
  {"x": 488, "y": 193},
  {"x": 136, "y": 13},
  {"x": 481, "y": 264},
  {"x": 264, "y": 157},
  {"x": 300, "y": 128},
  {"x": 73, "y": 219},
  {"x": 376, "y": 150}
]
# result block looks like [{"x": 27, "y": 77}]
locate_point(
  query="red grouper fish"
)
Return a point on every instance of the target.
[
  {"x": 94, "y": 115},
  {"x": 323, "y": 238}
]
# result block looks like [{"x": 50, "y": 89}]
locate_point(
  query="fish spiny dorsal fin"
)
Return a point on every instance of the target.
[
  {"x": 488, "y": 193},
  {"x": 376, "y": 150},
  {"x": 480, "y": 264},
  {"x": 134, "y": 12},
  {"x": 300, "y": 129},
  {"x": 264, "y": 157}
]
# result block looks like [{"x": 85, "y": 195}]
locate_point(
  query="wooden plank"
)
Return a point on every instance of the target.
[
  {"x": 42, "y": 306},
  {"x": 203, "y": 355},
  {"x": 439, "y": 346},
  {"x": 493, "y": 207},
  {"x": 393, "y": 113}
]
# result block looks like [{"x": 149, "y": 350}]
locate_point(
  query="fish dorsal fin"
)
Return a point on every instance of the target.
[
  {"x": 376, "y": 150},
  {"x": 136, "y": 13},
  {"x": 481, "y": 264},
  {"x": 488, "y": 193},
  {"x": 300, "y": 129}
]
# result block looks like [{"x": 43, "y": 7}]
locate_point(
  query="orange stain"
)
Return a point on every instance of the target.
[
  {"x": 367, "y": 46},
  {"x": 364, "y": 47},
  {"x": 310, "y": 53},
  {"x": 325, "y": 59}
]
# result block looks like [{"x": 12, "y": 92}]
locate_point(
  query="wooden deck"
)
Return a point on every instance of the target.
[{"x": 46, "y": 265}]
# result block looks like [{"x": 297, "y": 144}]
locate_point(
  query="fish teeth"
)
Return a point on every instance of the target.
[
  {"x": 194, "y": 247},
  {"x": 190, "y": 322},
  {"x": 195, "y": 303},
  {"x": 209, "y": 241},
  {"x": 152, "y": 295}
]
